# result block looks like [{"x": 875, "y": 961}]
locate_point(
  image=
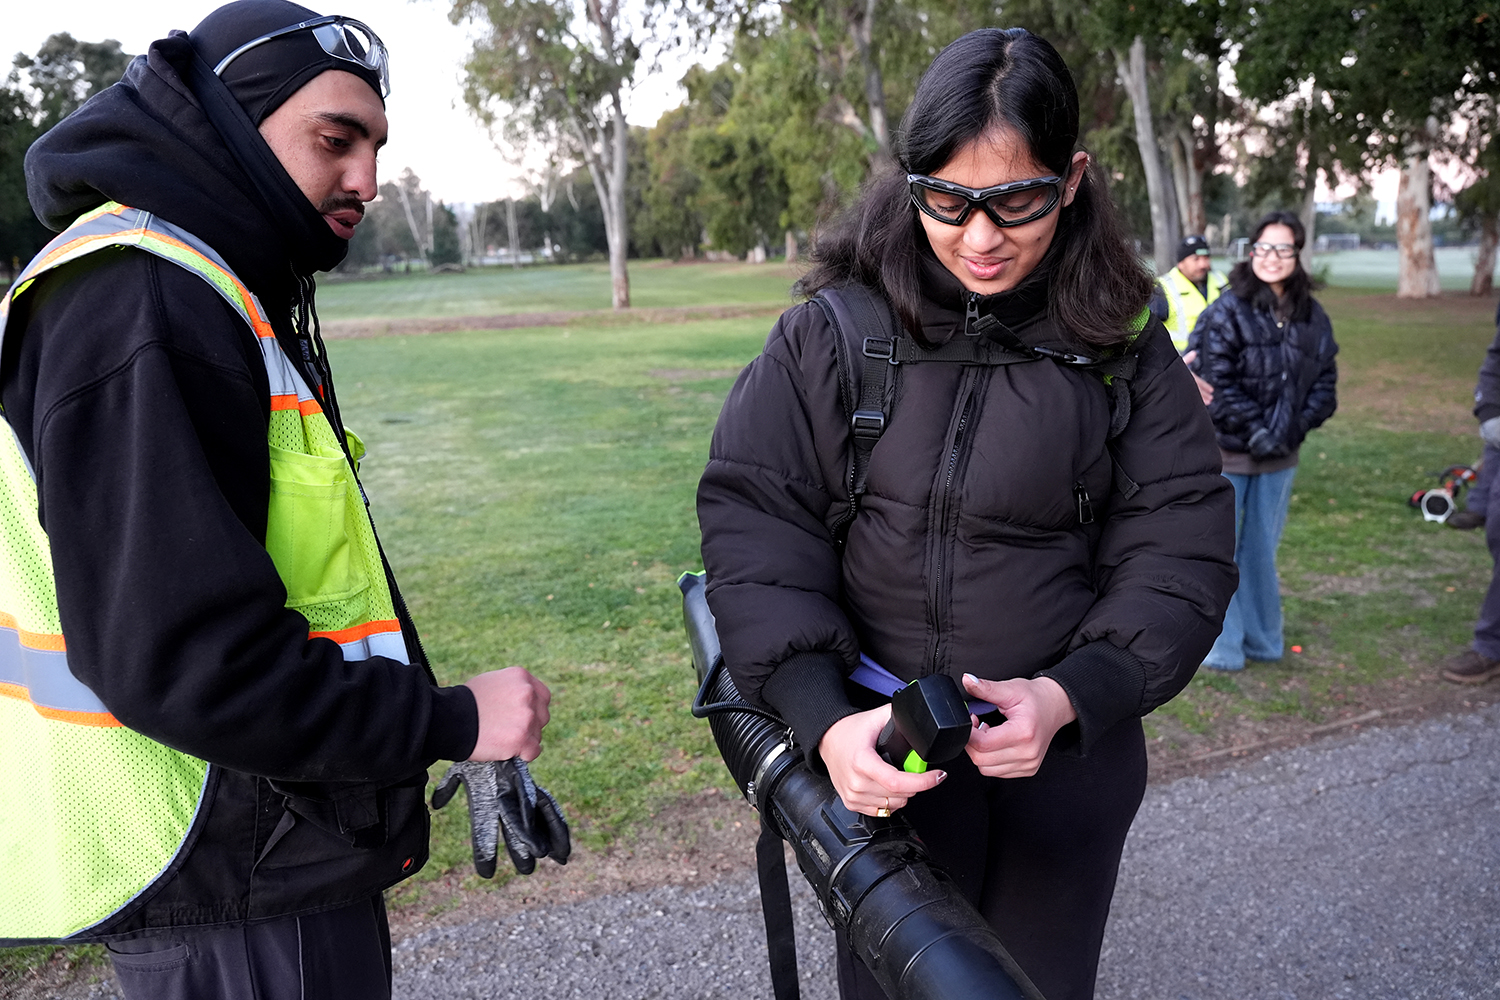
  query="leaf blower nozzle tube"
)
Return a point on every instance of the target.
[{"x": 872, "y": 876}]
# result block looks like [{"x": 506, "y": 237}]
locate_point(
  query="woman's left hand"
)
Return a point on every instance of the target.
[{"x": 1034, "y": 710}]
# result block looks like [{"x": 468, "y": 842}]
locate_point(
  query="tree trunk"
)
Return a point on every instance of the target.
[
  {"x": 791, "y": 247},
  {"x": 1181, "y": 167},
  {"x": 617, "y": 234},
  {"x": 1484, "y": 264},
  {"x": 1163, "y": 235},
  {"x": 1309, "y": 215},
  {"x": 510, "y": 225},
  {"x": 1416, "y": 277},
  {"x": 862, "y": 30},
  {"x": 1194, "y": 215}
]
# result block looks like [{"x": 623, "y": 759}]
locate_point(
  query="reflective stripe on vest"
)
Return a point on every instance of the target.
[
  {"x": 95, "y": 812},
  {"x": 1185, "y": 303}
]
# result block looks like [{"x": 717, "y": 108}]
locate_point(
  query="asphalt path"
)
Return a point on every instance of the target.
[{"x": 1359, "y": 867}]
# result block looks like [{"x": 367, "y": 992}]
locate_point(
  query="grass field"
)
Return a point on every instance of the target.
[
  {"x": 535, "y": 492},
  {"x": 497, "y": 291}
]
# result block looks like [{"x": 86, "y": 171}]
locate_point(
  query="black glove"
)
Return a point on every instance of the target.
[
  {"x": 1262, "y": 446},
  {"x": 504, "y": 799}
]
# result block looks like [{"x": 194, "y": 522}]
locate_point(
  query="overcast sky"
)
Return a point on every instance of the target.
[{"x": 431, "y": 130}]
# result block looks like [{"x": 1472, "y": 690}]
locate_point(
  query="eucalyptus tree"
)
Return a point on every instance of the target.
[{"x": 561, "y": 69}]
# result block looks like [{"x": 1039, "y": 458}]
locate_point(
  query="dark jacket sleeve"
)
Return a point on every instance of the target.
[
  {"x": 1487, "y": 392},
  {"x": 773, "y": 572},
  {"x": 142, "y": 403},
  {"x": 1322, "y": 397},
  {"x": 1165, "y": 562},
  {"x": 1221, "y": 348}
]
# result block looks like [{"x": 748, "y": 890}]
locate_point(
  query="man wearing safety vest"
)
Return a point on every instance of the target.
[
  {"x": 1184, "y": 292},
  {"x": 215, "y": 713},
  {"x": 1181, "y": 295}
]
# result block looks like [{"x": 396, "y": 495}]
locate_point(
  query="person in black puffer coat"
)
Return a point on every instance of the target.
[
  {"x": 1072, "y": 578},
  {"x": 1267, "y": 348}
]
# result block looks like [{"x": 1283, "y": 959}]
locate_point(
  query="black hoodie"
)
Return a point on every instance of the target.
[{"x": 141, "y": 400}]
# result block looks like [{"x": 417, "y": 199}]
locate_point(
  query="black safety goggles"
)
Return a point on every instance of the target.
[
  {"x": 341, "y": 37},
  {"x": 1013, "y": 204}
]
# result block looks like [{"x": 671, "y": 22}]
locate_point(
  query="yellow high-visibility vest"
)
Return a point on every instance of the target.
[
  {"x": 1185, "y": 303},
  {"x": 94, "y": 813}
]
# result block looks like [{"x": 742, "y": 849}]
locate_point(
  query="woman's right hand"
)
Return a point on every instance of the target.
[{"x": 864, "y": 782}]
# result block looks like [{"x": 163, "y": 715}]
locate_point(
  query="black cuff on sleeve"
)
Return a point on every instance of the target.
[
  {"x": 1486, "y": 410},
  {"x": 807, "y": 690},
  {"x": 1105, "y": 684},
  {"x": 453, "y": 727}
]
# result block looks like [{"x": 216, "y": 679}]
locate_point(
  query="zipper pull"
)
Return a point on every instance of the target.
[
  {"x": 971, "y": 315},
  {"x": 1085, "y": 505}
]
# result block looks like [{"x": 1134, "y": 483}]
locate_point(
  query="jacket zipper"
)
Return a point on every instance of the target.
[
  {"x": 941, "y": 585},
  {"x": 1085, "y": 505}
]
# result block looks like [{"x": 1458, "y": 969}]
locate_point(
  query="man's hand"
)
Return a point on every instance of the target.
[
  {"x": 1205, "y": 391},
  {"x": 1034, "y": 710},
  {"x": 866, "y": 783},
  {"x": 512, "y": 712}
]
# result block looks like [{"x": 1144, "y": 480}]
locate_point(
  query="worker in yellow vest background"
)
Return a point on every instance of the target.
[
  {"x": 1181, "y": 295},
  {"x": 223, "y": 765}
]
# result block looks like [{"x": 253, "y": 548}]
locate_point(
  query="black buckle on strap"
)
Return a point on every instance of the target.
[
  {"x": 868, "y": 424},
  {"x": 880, "y": 348}
]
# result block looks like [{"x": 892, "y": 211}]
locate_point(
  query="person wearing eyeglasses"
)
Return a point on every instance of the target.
[
  {"x": 1267, "y": 348},
  {"x": 215, "y": 713},
  {"x": 1043, "y": 518}
]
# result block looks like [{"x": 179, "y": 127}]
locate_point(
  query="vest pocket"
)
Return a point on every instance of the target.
[{"x": 308, "y": 530}]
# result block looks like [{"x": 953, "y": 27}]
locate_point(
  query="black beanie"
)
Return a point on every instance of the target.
[{"x": 264, "y": 77}]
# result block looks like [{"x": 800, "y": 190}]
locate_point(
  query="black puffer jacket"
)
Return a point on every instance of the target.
[
  {"x": 1274, "y": 380},
  {"x": 969, "y": 553}
]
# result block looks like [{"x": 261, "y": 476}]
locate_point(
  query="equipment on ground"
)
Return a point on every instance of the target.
[
  {"x": 504, "y": 800},
  {"x": 872, "y": 877},
  {"x": 1440, "y": 503}
]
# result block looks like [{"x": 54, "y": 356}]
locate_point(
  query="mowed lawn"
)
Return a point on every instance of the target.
[
  {"x": 535, "y": 490},
  {"x": 498, "y": 291}
]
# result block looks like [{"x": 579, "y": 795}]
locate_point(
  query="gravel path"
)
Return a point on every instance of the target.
[
  {"x": 1363, "y": 867},
  {"x": 1366, "y": 866}
]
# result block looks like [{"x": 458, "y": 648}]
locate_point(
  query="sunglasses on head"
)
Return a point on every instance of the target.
[
  {"x": 1013, "y": 204},
  {"x": 341, "y": 37}
]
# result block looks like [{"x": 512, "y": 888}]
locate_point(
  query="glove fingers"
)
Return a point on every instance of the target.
[
  {"x": 519, "y": 827},
  {"x": 557, "y": 828},
  {"x": 447, "y": 788},
  {"x": 484, "y": 862},
  {"x": 522, "y": 858}
]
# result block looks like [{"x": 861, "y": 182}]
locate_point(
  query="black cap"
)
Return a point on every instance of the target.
[
  {"x": 264, "y": 77},
  {"x": 1190, "y": 246}
]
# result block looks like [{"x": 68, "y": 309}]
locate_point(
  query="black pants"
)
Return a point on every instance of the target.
[
  {"x": 1038, "y": 856},
  {"x": 342, "y": 954}
]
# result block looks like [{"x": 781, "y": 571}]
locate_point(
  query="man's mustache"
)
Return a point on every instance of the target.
[{"x": 340, "y": 203}]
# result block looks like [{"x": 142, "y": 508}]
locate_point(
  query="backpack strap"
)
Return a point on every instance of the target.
[{"x": 865, "y": 334}]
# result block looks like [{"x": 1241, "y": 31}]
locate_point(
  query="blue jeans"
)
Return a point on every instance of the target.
[{"x": 1252, "y": 627}]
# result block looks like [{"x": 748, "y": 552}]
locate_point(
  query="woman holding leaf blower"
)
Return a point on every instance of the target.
[{"x": 1041, "y": 515}]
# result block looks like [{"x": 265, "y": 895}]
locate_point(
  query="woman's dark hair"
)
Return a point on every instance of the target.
[
  {"x": 1296, "y": 291},
  {"x": 988, "y": 79}
]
